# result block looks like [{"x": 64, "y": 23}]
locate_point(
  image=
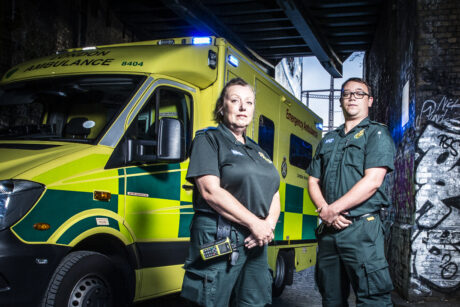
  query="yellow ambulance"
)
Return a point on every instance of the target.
[{"x": 94, "y": 146}]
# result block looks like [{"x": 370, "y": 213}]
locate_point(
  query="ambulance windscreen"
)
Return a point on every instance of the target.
[{"x": 74, "y": 108}]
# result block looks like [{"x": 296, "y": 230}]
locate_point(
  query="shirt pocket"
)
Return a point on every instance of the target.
[
  {"x": 325, "y": 155},
  {"x": 354, "y": 156}
]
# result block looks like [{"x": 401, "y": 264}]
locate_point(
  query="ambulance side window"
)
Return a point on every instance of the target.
[
  {"x": 167, "y": 102},
  {"x": 266, "y": 135},
  {"x": 300, "y": 152}
]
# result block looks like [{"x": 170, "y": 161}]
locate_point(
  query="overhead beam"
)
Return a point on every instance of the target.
[
  {"x": 195, "y": 13},
  {"x": 315, "y": 40}
]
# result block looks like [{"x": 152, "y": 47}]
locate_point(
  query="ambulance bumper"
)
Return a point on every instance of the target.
[{"x": 25, "y": 269}]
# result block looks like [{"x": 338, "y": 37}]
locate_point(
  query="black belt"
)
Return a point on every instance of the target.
[
  {"x": 224, "y": 226},
  {"x": 360, "y": 217}
]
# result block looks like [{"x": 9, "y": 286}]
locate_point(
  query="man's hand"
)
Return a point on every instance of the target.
[
  {"x": 341, "y": 222},
  {"x": 328, "y": 214}
]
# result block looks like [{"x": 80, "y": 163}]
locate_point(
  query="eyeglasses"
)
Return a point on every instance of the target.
[{"x": 358, "y": 95}]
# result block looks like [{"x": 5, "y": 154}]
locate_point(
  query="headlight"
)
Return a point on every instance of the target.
[{"x": 16, "y": 198}]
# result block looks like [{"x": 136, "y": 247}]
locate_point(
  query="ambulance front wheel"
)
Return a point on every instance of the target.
[
  {"x": 279, "y": 280},
  {"x": 85, "y": 278}
]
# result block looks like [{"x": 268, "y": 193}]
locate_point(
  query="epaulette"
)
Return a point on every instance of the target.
[
  {"x": 252, "y": 140},
  {"x": 202, "y": 131},
  {"x": 377, "y": 123}
]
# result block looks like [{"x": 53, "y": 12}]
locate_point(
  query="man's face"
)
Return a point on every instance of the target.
[{"x": 352, "y": 106}]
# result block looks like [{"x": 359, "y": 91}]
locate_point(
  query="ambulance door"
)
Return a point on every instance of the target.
[
  {"x": 298, "y": 218},
  {"x": 265, "y": 127},
  {"x": 157, "y": 210}
]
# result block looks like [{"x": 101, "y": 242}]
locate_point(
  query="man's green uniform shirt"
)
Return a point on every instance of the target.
[
  {"x": 341, "y": 159},
  {"x": 245, "y": 170}
]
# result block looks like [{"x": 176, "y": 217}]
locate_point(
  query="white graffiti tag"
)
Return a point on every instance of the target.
[
  {"x": 439, "y": 112},
  {"x": 437, "y": 208}
]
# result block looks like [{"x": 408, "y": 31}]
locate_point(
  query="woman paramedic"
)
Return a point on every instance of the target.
[{"x": 235, "y": 189}]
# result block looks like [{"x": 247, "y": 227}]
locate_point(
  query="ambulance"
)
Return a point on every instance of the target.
[{"x": 94, "y": 147}]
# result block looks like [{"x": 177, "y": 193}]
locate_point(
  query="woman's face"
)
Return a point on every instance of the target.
[{"x": 238, "y": 107}]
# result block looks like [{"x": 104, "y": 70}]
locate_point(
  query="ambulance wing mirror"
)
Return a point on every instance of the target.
[
  {"x": 169, "y": 147},
  {"x": 171, "y": 140}
]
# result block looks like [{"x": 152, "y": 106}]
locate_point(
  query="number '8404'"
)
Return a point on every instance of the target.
[{"x": 132, "y": 63}]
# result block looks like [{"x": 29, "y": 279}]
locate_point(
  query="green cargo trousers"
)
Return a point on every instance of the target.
[
  {"x": 354, "y": 255},
  {"x": 215, "y": 282}
]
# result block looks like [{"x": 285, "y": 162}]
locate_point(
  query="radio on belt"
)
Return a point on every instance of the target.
[{"x": 216, "y": 249}]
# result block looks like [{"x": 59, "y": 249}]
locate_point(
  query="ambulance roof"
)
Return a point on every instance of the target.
[{"x": 178, "y": 58}]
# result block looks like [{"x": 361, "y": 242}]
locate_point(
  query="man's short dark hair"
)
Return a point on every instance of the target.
[{"x": 359, "y": 80}]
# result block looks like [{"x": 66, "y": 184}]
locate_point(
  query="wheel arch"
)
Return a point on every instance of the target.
[{"x": 123, "y": 256}]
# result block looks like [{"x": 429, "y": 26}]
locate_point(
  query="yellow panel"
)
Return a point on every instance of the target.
[
  {"x": 185, "y": 195},
  {"x": 161, "y": 280},
  {"x": 272, "y": 253},
  {"x": 153, "y": 218},
  {"x": 308, "y": 206},
  {"x": 282, "y": 190},
  {"x": 292, "y": 226},
  {"x": 305, "y": 257}
]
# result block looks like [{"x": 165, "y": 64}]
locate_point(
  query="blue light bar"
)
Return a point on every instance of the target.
[
  {"x": 233, "y": 60},
  {"x": 206, "y": 40},
  {"x": 319, "y": 126}
]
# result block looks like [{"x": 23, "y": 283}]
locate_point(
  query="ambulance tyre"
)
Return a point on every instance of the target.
[
  {"x": 279, "y": 281},
  {"x": 85, "y": 278}
]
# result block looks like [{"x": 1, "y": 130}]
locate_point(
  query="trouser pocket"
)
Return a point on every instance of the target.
[
  {"x": 199, "y": 286},
  {"x": 378, "y": 280}
]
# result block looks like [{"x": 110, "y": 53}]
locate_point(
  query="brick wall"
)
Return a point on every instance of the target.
[
  {"x": 37, "y": 28},
  {"x": 418, "y": 43}
]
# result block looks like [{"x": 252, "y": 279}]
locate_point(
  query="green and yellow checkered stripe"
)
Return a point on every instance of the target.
[
  {"x": 296, "y": 209},
  {"x": 165, "y": 210}
]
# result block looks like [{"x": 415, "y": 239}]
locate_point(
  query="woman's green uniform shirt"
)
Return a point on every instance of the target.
[{"x": 245, "y": 170}]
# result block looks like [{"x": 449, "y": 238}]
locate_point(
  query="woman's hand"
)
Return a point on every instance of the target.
[{"x": 261, "y": 234}]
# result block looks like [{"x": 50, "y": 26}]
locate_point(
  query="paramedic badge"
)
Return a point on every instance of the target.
[
  {"x": 284, "y": 168},
  {"x": 359, "y": 134},
  {"x": 264, "y": 157}
]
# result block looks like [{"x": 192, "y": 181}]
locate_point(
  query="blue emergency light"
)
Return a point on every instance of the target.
[
  {"x": 319, "y": 126},
  {"x": 206, "y": 40},
  {"x": 233, "y": 60}
]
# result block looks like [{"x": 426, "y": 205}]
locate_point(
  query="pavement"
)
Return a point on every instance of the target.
[{"x": 303, "y": 293}]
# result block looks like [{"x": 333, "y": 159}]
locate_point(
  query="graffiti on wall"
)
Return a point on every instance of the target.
[
  {"x": 436, "y": 243},
  {"x": 446, "y": 109}
]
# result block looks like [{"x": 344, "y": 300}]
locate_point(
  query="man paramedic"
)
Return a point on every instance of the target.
[{"x": 345, "y": 184}]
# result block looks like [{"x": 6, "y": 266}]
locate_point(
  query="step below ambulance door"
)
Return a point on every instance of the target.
[{"x": 157, "y": 210}]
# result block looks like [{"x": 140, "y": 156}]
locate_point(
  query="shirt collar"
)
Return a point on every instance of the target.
[
  {"x": 229, "y": 135},
  {"x": 364, "y": 123}
]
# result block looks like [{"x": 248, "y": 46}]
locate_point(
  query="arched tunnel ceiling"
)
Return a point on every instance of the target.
[{"x": 266, "y": 30}]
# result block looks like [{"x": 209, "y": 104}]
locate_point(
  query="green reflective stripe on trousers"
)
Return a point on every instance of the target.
[
  {"x": 84, "y": 225},
  {"x": 55, "y": 208}
]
